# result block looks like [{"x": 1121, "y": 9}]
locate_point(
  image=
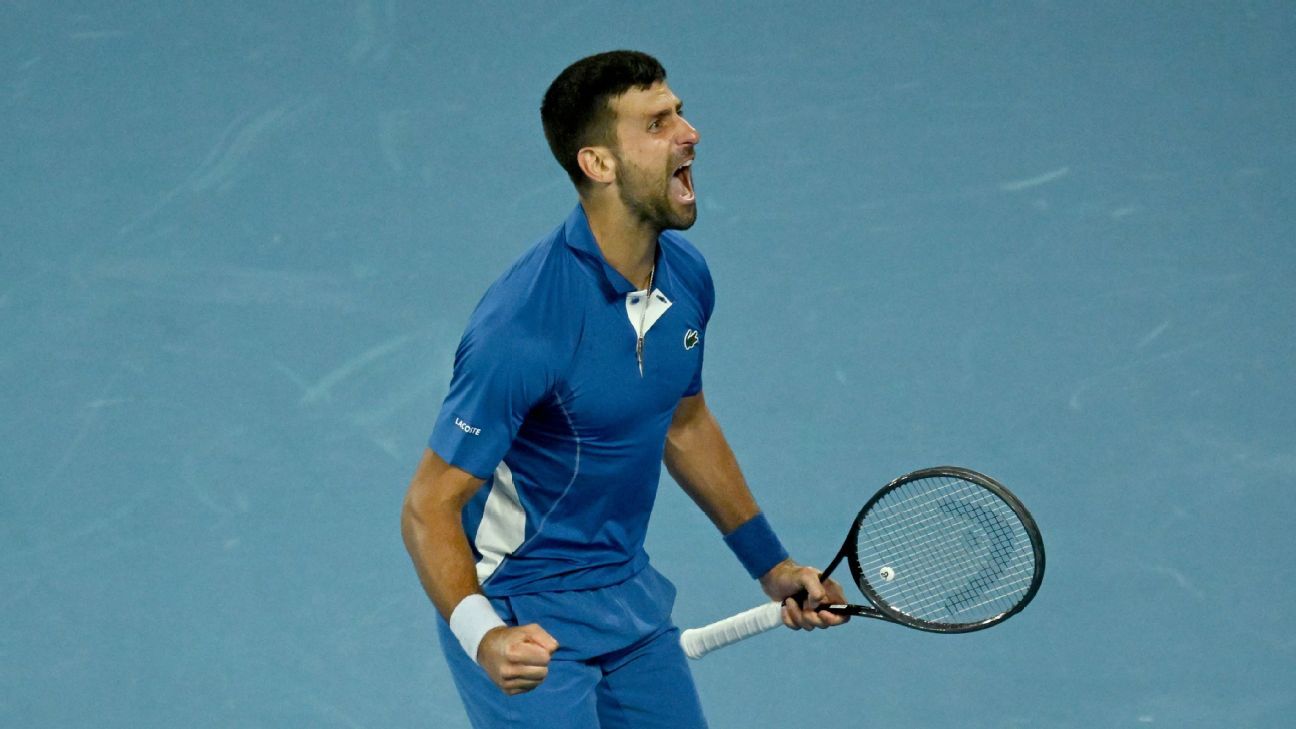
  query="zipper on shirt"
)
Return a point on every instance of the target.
[{"x": 643, "y": 318}]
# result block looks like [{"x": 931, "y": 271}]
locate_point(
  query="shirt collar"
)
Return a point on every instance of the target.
[{"x": 580, "y": 238}]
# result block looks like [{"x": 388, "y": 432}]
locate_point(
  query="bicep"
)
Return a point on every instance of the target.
[
  {"x": 437, "y": 482},
  {"x": 688, "y": 425},
  {"x": 688, "y": 412}
]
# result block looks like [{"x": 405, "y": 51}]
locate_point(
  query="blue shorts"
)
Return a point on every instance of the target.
[{"x": 618, "y": 666}]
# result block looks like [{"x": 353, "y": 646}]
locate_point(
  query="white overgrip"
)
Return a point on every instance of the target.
[{"x": 698, "y": 642}]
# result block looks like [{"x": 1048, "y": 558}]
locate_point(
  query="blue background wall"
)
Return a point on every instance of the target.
[{"x": 1051, "y": 241}]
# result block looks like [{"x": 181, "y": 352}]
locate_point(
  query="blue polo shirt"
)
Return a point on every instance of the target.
[{"x": 548, "y": 404}]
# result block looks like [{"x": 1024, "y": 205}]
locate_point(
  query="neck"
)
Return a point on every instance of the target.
[{"x": 628, "y": 244}]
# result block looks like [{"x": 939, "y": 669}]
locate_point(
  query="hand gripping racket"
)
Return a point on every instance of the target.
[{"x": 945, "y": 549}]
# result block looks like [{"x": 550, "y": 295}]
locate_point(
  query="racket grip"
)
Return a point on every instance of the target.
[{"x": 698, "y": 642}]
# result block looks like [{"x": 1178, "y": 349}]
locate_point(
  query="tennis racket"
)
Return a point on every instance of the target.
[{"x": 945, "y": 549}]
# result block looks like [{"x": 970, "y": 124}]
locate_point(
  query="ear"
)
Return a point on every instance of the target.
[{"x": 597, "y": 163}]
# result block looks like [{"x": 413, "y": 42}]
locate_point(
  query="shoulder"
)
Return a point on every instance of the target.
[
  {"x": 688, "y": 263},
  {"x": 525, "y": 309},
  {"x": 684, "y": 255}
]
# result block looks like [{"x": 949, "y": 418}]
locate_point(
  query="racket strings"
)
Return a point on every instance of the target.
[
  {"x": 964, "y": 570},
  {"x": 960, "y": 568},
  {"x": 1001, "y": 542},
  {"x": 946, "y": 551},
  {"x": 944, "y": 563},
  {"x": 941, "y": 584}
]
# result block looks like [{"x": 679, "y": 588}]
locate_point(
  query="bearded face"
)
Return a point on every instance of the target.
[
  {"x": 654, "y": 149},
  {"x": 661, "y": 197}
]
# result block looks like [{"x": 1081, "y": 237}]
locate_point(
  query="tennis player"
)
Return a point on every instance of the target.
[{"x": 579, "y": 373}]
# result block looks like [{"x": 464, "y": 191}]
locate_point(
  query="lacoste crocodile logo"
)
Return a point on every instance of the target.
[{"x": 691, "y": 338}]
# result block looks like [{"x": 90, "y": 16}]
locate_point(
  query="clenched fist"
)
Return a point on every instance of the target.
[{"x": 516, "y": 659}]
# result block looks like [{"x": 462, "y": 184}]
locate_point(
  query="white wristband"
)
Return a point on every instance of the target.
[{"x": 471, "y": 619}]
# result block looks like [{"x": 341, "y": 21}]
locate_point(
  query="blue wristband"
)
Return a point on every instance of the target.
[{"x": 756, "y": 545}]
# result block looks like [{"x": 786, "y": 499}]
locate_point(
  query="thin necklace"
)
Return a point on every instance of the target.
[{"x": 643, "y": 318}]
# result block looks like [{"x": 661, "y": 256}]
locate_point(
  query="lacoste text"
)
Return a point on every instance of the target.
[{"x": 467, "y": 428}]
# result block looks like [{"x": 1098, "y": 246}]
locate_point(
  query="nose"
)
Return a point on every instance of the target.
[{"x": 690, "y": 134}]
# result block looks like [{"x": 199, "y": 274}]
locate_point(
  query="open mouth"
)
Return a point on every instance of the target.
[{"x": 681, "y": 184}]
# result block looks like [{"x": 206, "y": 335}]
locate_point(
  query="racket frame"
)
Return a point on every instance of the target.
[{"x": 880, "y": 609}]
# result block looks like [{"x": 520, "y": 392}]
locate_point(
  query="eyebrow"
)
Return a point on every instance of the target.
[{"x": 678, "y": 108}]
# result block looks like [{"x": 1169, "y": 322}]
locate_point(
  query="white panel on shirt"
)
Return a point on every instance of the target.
[
  {"x": 636, "y": 301},
  {"x": 503, "y": 524}
]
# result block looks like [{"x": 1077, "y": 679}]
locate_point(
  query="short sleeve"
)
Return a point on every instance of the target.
[
  {"x": 706, "y": 301},
  {"x": 498, "y": 378}
]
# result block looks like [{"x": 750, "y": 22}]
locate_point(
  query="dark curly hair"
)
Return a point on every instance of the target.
[{"x": 576, "y": 112}]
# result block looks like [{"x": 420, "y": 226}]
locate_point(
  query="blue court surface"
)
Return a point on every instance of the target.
[{"x": 1050, "y": 241}]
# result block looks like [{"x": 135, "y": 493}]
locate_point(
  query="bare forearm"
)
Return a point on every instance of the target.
[
  {"x": 436, "y": 544},
  {"x": 700, "y": 460}
]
